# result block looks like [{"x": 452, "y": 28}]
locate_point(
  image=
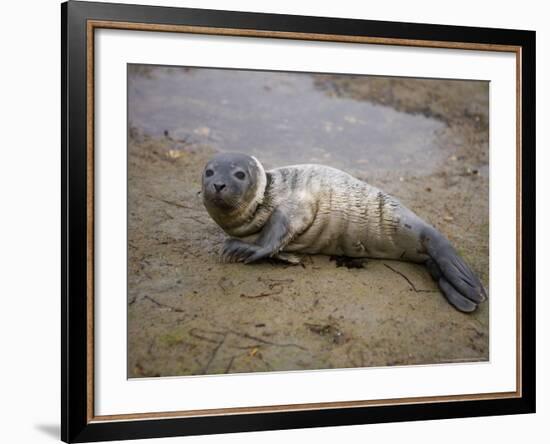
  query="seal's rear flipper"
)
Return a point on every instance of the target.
[
  {"x": 455, "y": 298},
  {"x": 456, "y": 280}
]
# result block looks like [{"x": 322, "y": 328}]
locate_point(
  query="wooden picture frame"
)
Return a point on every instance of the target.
[{"x": 79, "y": 22}]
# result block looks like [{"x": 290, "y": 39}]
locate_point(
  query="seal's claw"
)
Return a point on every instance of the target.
[
  {"x": 260, "y": 253},
  {"x": 230, "y": 248},
  {"x": 244, "y": 252},
  {"x": 235, "y": 250}
]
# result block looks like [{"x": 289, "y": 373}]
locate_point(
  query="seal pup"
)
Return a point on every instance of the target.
[{"x": 316, "y": 209}]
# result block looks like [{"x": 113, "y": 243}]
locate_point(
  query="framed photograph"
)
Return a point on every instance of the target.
[{"x": 276, "y": 221}]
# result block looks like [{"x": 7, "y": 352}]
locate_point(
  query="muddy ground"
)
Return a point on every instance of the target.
[{"x": 189, "y": 314}]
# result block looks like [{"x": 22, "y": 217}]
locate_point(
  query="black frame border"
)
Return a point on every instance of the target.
[{"x": 75, "y": 426}]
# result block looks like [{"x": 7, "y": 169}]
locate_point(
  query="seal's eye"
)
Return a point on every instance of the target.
[
  {"x": 208, "y": 173},
  {"x": 240, "y": 175}
]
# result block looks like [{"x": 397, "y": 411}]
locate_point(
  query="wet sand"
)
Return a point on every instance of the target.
[{"x": 189, "y": 314}]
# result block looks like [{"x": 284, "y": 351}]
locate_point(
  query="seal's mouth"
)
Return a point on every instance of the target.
[{"x": 219, "y": 201}]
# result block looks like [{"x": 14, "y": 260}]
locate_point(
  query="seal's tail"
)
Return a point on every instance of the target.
[{"x": 457, "y": 281}]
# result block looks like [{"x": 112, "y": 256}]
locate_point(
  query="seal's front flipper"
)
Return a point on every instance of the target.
[
  {"x": 277, "y": 232},
  {"x": 236, "y": 250},
  {"x": 455, "y": 278},
  {"x": 274, "y": 236}
]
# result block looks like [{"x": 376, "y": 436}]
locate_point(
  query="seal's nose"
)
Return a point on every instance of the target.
[{"x": 219, "y": 187}]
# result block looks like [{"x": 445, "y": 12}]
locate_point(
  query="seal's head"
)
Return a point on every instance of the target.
[{"x": 233, "y": 184}]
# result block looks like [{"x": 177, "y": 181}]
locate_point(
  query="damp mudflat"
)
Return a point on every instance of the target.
[{"x": 423, "y": 141}]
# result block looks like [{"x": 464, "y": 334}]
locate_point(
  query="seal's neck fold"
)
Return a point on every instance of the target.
[{"x": 261, "y": 185}]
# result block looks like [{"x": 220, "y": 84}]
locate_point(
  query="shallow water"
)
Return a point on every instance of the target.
[{"x": 282, "y": 118}]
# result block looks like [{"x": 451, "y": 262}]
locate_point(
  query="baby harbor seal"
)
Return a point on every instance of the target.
[{"x": 316, "y": 209}]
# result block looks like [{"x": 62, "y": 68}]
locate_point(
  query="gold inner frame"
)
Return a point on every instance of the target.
[{"x": 95, "y": 24}]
